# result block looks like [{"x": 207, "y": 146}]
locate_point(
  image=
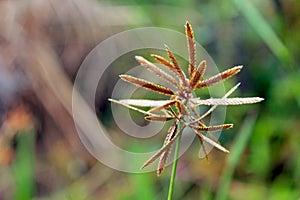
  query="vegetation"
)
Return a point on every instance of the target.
[{"x": 41, "y": 156}]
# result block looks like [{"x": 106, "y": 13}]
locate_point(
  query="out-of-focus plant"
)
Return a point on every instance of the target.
[{"x": 182, "y": 104}]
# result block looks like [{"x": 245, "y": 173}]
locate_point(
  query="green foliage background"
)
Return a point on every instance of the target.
[{"x": 264, "y": 162}]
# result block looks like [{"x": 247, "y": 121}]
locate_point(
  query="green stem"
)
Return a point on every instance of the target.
[{"x": 172, "y": 180}]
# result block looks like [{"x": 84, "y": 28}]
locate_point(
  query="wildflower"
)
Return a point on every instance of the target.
[{"x": 181, "y": 107}]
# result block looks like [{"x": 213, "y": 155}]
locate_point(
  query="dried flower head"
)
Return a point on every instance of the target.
[{"x": 182, "y": 104}]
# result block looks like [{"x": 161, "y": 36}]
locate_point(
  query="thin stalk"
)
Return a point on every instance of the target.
[{"x": 174, "y": 167}]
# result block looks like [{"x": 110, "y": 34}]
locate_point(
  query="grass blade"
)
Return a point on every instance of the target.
[{"x": 264, "y": 30}]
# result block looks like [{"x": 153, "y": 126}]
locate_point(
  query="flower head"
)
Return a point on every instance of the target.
[{"x": 181, "y": 105}]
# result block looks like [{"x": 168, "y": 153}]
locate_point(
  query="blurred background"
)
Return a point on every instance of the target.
[{"x": 42, "y": 45}]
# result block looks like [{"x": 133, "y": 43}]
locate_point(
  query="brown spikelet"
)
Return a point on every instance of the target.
[
  {"x": 163, "y": 160},
  {"x": 164, "y": 157},
  {"x": 157, "y": 71},
  {"x": 164, "y": 61},
  {"x": 219, "y": 77},
  {"x": 191, "y": 47},
  {"x": 214, "y": 128},
  {"x": 182, "y": 109},
  {"x": 148, "y": 85},
  {"x": 168, "y": 64},
  {"x": 178, "y": 107},
  {"x": 176, "y": 65},
  {"x": 198, "y": 74}
]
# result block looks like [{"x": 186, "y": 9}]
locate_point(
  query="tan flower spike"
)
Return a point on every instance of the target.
[{"x": 181, "y": 98}]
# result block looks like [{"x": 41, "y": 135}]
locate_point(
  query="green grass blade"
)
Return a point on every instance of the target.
[{"x": 264, "y": 30}]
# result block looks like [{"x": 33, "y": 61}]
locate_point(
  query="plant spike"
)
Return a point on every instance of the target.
[
  {"x": 148, "y": 85},
  {"x": 176, "y": 66},
  {"x": 165, "y": 62},
  {"x": 213, "y": 128},
  {"x": 229, "y": 101},
  {"x": 164, "y": 157},
  {"x": 197, "y": 75},
  {"x": 169, "y": 65},
  {"x": 191, "y": 47},
  {"x": 215, "y": 106},
  {"x": 219, "y": 77},
  {"x": 157, "y": 71}
]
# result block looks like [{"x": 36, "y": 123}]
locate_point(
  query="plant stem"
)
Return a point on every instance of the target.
[{"x": 172, "y": 180}]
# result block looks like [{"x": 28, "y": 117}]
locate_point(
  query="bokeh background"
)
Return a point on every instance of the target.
[{"x": 42, "y": 45}]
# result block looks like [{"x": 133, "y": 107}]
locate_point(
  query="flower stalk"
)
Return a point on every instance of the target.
[{"x": 181, "y": 105}]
